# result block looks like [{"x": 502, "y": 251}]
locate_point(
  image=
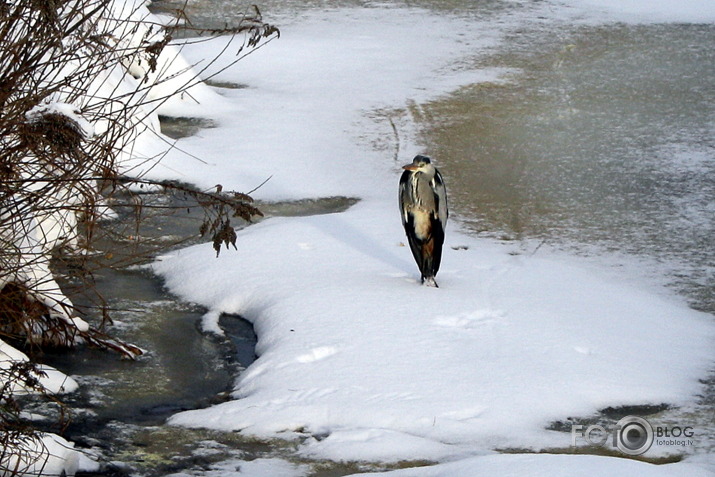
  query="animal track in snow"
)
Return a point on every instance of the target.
[
  {"x": 466, "y": 414},
  {"x": 470, "y": 319},
  {"x": 316, "y": 354}
]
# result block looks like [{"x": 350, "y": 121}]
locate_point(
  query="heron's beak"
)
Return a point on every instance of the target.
[{"x": 410, "y": 167}]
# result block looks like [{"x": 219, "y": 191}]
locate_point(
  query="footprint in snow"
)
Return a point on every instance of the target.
[
  {"x": 472, "y": 319},
  {"x": 316, "y": 354}
]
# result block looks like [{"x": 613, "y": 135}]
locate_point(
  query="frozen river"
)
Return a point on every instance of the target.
[
  {"x": 603, "y": 142},
  {"x": 600, "y": 139}
]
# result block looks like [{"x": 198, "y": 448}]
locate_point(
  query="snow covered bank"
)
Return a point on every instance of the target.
[
  {"x": 82, "y": 82},
  {"x": 49, "y": 379},
  {"x": 353, "y": 352},
  {"x": 549, "y": 466},
  {"x": 532, "y": 465},
  {"x": 355, "y": 358},
  {"x": 47, "y": 454}
]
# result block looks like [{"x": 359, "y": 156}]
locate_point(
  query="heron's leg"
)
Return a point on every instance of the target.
[{"x": 429, "y": 282}]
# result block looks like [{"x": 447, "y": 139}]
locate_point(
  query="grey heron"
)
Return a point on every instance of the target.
[{"x": 423, "y": 203}]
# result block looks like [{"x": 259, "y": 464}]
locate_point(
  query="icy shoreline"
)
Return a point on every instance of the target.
[
  {"x": 356, "y": 360},
  {"x": 508, "y": 344},
  {"x": 81, "y": 112}
]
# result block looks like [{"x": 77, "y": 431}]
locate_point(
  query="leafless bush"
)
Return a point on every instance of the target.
[
  {"x": 18, "y": 440},
  {"x": 69, "y": 120}
]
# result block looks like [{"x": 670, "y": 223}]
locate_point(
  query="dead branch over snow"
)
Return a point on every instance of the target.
[{"x": 80, "y": 85}]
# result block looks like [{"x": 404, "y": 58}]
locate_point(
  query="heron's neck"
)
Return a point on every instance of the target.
[{"x": 429, "y": 172}]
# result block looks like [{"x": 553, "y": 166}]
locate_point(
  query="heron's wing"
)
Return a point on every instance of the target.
[
  {"x": 437, "y": 240},
  {"x": 416, "y": 245},
  {"x": 405, "y": 196},
  {"x": 407, "y": 202},
  {"x": 440, "y": 192},
  {"x": 438, "y": 221}
]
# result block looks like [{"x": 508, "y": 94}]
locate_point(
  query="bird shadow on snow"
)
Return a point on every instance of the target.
[{"x": 347, "y": 233}]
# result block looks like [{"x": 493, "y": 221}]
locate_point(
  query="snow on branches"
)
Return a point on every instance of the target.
[{"x": 80, "y": 85}]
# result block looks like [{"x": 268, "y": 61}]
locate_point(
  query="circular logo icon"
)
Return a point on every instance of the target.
[{"x": 634, "y": 435}]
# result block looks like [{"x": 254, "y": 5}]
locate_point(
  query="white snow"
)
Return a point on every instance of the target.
[
  {"x": 299, "y": 117},
  {"x": 548, "y": 465},
  {"x": 49, "y": 455},
  {"x": 355, "y": 357},
  {"x": 352, "y": 348},
  {"x": 52, "y": 380},
  {"x": 70, "y": 111}
]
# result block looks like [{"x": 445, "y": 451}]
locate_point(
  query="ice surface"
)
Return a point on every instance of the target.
[
  {"x": 643, "y": 11},
  {"x": 301, "y": 120},
  {"x": 355, "y": 357}
]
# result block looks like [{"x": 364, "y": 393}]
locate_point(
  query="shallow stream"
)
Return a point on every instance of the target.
[{"x": 118, "y": 415}]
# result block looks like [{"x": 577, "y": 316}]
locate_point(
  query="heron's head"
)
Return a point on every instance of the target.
[{"x": 421, "y": 164}]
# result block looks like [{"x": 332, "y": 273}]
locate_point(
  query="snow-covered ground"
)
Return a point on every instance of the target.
[
  {"x": 544, "y": 465},
  {"x": 357, "y": 359}
]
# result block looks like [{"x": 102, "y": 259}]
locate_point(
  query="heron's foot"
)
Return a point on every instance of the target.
[{"x": 429, "y": 282}]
